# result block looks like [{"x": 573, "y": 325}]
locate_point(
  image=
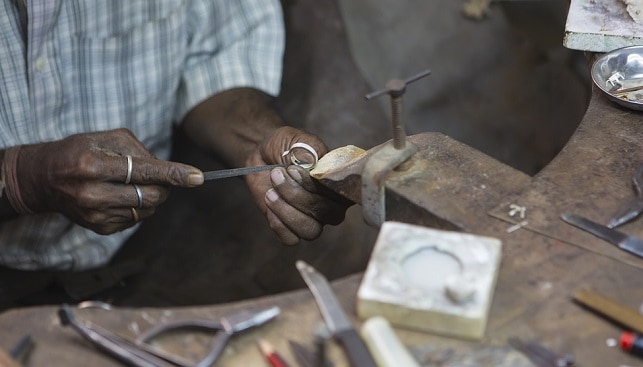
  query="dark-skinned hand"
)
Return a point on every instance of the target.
[
  {"x": 83, "y": 175},
  {"x": 296, "y": 206}
]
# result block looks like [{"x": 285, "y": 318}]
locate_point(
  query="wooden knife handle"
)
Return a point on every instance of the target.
[{"x": 355, "y": 348}]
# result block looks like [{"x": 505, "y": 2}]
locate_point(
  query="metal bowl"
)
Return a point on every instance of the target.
[{"x": 619, "y": 74}]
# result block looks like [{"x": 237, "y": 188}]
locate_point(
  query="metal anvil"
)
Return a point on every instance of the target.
[{"x": 437, "y": 182}]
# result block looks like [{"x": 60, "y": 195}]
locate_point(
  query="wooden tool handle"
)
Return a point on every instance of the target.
[
  {"x": 355, "y": 348},
  {"x": 610, "y": 309}
]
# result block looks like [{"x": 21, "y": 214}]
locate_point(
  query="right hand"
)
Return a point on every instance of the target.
[{"x": 83, "y": 175}]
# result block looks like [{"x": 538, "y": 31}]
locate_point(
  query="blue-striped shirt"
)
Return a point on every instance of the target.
[{"x": 72, "y": 66}]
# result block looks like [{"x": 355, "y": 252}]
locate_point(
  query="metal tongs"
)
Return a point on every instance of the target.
[
  {"x": 633, "y": 208},
  {"x": 140, "y": 353}
]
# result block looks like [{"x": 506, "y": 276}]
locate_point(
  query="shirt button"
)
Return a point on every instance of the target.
[{"x": 40, "y": 64}]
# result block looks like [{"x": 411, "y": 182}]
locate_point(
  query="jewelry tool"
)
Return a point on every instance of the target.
[
  {"x": 140, "y": 353},
  {"x": 233, "y": 172},
  {"x": 540, "y": 355},
  {"x": 634, "y": 208},
  {"x": 336, "y": 320},
  {"x": 625, "y": 242}
]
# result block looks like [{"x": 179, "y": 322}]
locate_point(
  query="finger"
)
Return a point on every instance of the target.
[
  {"x": 112, "y": 220},
  {"x": 307, "y": 182},
  {"x": 283, "y": 139},
  {"x": 105, "y": 195},
  {"x": 290, "y": 218},
  {"x": 144, "y": 196},
  {"x": 284, "y": 234},
  {"x": 312, "y": 204},
  {"x": 153, "y": 171}
]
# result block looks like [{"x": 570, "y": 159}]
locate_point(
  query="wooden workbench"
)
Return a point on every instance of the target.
[{"x": 543, "y": 264}]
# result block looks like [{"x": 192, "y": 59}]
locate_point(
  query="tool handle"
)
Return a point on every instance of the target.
[
  {"x": 386, "y": 348},
  {"x": 355, "y": 348}
]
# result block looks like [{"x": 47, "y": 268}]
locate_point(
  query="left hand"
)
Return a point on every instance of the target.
[{"x": 296, "y": 206}]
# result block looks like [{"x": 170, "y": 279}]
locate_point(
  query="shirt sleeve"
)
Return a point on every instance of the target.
[{"x": 232, "y": 44}]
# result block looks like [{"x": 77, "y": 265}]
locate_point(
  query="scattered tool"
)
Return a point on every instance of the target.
[
  {"x": 233, "y": 172},
  {"x": 271, "y": 355},
  {"x": 635, "y": 207},
  {"x": 614, "y": 311},
  {"x": 540, "y": 355},
  {"x": 631, "y": 342},
  {"x": 304, "y": 356},
  {"x": 110, "y": 343},
  {"x": 384, "y": 344},
  {"x": 224, "y": 328},
  {"x": 624, "y": 316},
  {"x": 140, "y": 353},
  {"x": 22, "y": 350},
  {"x": 338, "y": 324},
  {"x": 631, "y": 244}
]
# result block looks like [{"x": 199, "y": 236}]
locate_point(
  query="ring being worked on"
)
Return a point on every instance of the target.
[
  {"x": 139, "y": 195},
  {"x": 305, "y": 165},
  {"x": 134, "y": 215},
  {"x": 128, "y": 178}
]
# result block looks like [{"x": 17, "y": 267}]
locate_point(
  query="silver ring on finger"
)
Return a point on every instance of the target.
[
  {"x": 128, "y": 177},
  {"x": 139, "y": 195},
  {"x": 134, "y": 215}
]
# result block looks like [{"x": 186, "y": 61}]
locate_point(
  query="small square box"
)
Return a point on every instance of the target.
[{"x": 430, "y": 280}]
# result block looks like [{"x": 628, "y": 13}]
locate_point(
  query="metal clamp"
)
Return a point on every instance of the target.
[
  {"x": 377, "y": 168},
  {"x": 391, "y": 155}
]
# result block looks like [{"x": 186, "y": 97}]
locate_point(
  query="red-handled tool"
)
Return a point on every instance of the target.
[{"x": 631, "y": 342}]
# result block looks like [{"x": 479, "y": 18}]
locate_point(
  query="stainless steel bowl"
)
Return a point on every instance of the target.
[{"x": 619, "y": 74}]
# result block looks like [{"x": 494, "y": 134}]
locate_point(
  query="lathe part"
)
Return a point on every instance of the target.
[{"x": 384, "y": 345}]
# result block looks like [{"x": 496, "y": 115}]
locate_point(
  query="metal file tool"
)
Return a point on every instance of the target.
[
  {"x": 234, "y": 172},
  {"x": 627, "y": 243},
  {"x": 336, "y": 321}
]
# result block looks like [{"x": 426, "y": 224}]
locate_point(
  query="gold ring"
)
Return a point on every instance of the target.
[
  {"x": 134, "y": 214},
  {"x": 128, "y": 178}
]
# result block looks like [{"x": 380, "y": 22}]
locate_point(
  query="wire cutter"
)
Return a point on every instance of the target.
[
  {"x": 141, "y": 353},
  {"x": 633, "y": 208}
]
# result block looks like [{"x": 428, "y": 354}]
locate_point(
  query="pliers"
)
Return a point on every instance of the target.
[{"x": 633, "y": 208}]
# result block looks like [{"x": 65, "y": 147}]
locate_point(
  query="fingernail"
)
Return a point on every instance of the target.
[
  {"x": 294, "y": 173},
  {"x": 195, "y": 179},
  {"x": 277, "y": 176},
  {"x": 272, "y": 195}
]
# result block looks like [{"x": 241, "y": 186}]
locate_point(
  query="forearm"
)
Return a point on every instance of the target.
[
  {"x": 7, "y": 211},
  {"x": 232, "y": 124}
]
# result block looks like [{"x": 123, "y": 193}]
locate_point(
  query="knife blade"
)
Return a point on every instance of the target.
[
  {"x": 623, "y": 241},
  {"x": 233, "y": 172},
  {"x": 336, "y": 321}
]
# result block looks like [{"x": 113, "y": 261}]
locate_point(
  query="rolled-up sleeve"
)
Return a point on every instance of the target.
[{"x": 232, "y": 44}]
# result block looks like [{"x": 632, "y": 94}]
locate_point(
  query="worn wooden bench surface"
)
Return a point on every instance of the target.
[{"x": 543, "y": 264}]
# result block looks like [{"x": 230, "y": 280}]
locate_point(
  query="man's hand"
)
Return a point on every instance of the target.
[
  {"x": 83, "y": 177},
  {"x": 295, "y": 205}
]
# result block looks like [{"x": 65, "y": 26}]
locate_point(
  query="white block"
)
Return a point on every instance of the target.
[
  {"x": 600, "y": 26},
  {"x": 430, "y": 280}
]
